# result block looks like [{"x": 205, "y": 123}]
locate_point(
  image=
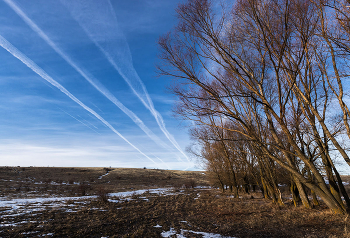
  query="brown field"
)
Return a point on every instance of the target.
[
  {"x": 34, "y": 181},
  {"x": 186, "y": 208}
]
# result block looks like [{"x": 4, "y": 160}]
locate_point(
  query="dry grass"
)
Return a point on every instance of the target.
[
  {"x": 34, "y": 181},
  {"x": 197, "y": 210},
  {"x": 193, "y": 209}
]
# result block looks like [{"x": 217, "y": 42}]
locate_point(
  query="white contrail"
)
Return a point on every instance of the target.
[
  {"x": 88, "y": 122},
  {"x": 30, "y": 64},
  {"x": 93, "y": 81},
  {"x": 99, "y": 22},
  {"x": 79, "y": 121}
]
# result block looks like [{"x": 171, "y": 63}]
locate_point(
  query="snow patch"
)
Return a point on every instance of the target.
[
  {"x": 142, "y": 191},
  {"x": 103, "y": 175},
  {"x": 16, "y": 203},
  {"x": 172, "y": 232}
]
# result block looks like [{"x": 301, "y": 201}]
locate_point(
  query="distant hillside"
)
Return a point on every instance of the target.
[{"x": 79, "y": 180}]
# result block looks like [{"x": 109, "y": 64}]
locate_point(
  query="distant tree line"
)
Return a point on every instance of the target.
[{"x": 264, "y": 83}]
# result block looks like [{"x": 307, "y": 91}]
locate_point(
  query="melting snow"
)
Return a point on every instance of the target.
[
  {"x": 16, "y": 203},
  {"x": 182, "y": 232},
  {"x": 29, "y": 205},
  {"x": 103, "y": 175},
  {"x": 29, "y": 232},
  {"x": 139, "y": 192},
  {"x": 34, "y": 206}
]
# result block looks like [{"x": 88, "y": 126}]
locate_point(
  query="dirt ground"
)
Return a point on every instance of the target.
[{"x": 183, "y": 209}]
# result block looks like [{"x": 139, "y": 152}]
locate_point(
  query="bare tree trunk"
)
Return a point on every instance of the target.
[
  {"x": 313, "y": 194},
  {"x": 303, "y": 196},
  {"x": 314, "y": 198},
  {"x": 265, "y": 189},
  {"x": 295, "y": 193},
  {"x": 271, "y": 193},
  {"x": 333, "y": 186},
  {"x": 342, "y": 188},
  {"x": 246, "y": 184}
]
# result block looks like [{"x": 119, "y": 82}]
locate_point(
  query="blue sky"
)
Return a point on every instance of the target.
[{"x": 78, "y": 85}]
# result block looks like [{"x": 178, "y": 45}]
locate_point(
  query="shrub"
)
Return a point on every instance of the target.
[
  {"x": 83, "y": 188},
  {"x": 107, "y": 169},
  {"x": 135, "y": 196},
  {"x": 190, "y": 183},
  {"x": 102, "y": 193},
  {"x": 48, "y": 181},
  {"x": 177, "y": 185}
]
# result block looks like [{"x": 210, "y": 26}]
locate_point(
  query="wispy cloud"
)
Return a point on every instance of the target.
[
  {"x": 37, "y": 153},
  {"x": 92, "y": 80},
  {"x": 30, "y": 64},
  {"x": 99, "y": 22}
]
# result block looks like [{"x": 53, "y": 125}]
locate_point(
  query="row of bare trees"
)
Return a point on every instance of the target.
[{"x": 264, "y": 82}]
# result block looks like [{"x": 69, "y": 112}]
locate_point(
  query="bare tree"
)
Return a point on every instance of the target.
[{"x": 258, "y": 66}]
